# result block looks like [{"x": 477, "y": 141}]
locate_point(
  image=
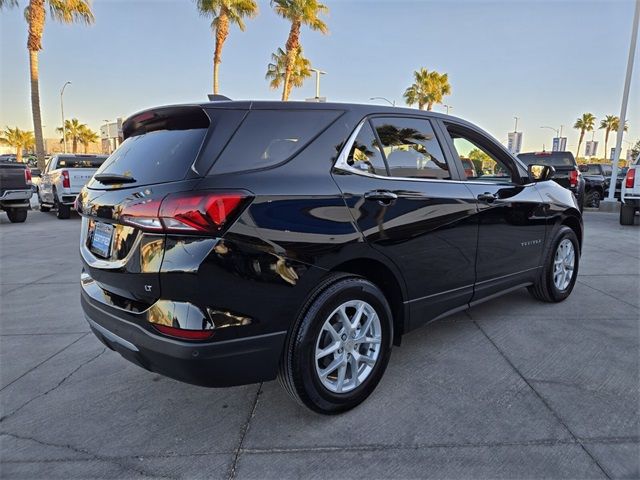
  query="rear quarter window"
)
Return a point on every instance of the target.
[{"x": 269, "y": 137}]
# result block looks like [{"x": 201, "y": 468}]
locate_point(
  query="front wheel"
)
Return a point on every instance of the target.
[
  {"x": 17, "y": 215},
  {"x": 339, "y": 348},
  {"x": 560, "y": 268},
  {"x": 593, "y": 199}
]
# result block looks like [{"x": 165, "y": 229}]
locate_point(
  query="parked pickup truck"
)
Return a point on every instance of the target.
[
  {"x": 567, "y": 173},
  {"x": 597, "y": 179},
  {"x": 15, "y": 190},
  {"x": 62, "y": 180},
  {"x": 630, "y": 194}
]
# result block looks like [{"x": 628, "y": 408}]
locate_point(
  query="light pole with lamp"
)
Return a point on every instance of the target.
[
  {"x": 318, "y": 72},
  {"x": 64, "y": 127},
  {"x": 393, "y": 104},
  {"x": 447, "y": 107}
]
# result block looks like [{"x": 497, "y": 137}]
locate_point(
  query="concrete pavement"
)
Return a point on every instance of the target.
[{"x": 509, "y": 389}]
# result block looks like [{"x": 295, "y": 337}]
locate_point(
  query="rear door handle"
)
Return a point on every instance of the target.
[
  {"x": 487, "y": 197},
  {"x": 384, "y": 197}
]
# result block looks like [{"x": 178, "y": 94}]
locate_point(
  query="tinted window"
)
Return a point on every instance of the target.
[
  {"x": 269, "y": 137},
  {"x": 80, "y": 162},
  {"x": 478, "y": 162},
  {"x": 365, "y": 154},
  {"x": 556, "y": 159},
  {"x": 154, "y": 157},
  {"x": 411, "y": 148}
]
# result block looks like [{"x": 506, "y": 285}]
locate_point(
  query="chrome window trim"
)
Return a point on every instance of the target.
[{"x": 341, "y": 164}]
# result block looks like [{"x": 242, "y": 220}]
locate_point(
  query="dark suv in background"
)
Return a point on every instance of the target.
[
  {"x": 228, "y": 243},
  {"x": 567, "y": 173}
]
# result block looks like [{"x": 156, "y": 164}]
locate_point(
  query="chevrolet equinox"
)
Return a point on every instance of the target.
[{"x": 234, "y": 242}]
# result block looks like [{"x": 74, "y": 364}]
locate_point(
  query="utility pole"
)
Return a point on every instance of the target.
[
  {"x": 516, "y": 127},
  {"x": 318, "y": 73},
  {"x": 64, "y": 127},
  {"x": 625, "y": 101}
]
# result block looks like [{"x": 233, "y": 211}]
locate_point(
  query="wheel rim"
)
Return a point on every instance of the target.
[
  {"x": 563, "y": 264},
  {"x": 348, "y": 346}
]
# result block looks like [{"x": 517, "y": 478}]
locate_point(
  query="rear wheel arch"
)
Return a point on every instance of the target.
[
  {"x": 572, "y": 221},
  {"x": 386, "y": 280}
]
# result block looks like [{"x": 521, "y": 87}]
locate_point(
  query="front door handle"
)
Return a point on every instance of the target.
[
  {"x": 384, "y": 197},
  {"x": 487, "y": 197}
]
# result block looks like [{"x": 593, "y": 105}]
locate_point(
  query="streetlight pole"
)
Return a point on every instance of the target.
[
  {"x": 447, "y": 107},
  {"x": 516, "y": 127},
  {"x": 318, "y": 73},
  {"x": 393, "y": 104},
  {"x": 64, "y": 127},
  {"x": 625, "y": 101}
]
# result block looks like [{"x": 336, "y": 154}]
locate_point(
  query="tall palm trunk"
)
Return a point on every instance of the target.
[
  {"x": 429, "y": 106},
  {"x": 606, "y": 140},
  {"x": 36, "y": 16},
  {"x": 293, "y": 45},
  {"x": 579, "y": 143},
  {"x": 75, "y": 144},
  {"x": 222, "y": 32},
  {"x": 19, "y": 154}
]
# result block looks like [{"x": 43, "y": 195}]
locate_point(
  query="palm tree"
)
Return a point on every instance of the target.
[
  {"x": 610, "y": 122},
  {"x": 585, "y": 123},
  {"x": 65, "y": 11},
  {"x": 428, "y": 88},
  {"x": 276, "y": 70},
  {"x": 74, "y": 131},
  {"x": 299, "y": 13},
  {"x": 87, "y": 136},
  {"x": 19, "y": 139},
  {"x": 225, "y": 12}
]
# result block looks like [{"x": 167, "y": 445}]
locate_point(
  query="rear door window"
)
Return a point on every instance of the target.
[
  {"x": 366, "y": 154},
  {"x": 411, "y": 148},
  {"x": 269, "y": 137}
]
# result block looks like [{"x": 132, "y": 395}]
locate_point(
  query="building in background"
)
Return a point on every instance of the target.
[
  {"x": 53, "y": 146},
  {"x": 111, "y": 135}
]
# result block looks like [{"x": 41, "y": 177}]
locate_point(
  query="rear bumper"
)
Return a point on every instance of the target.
[
  {"x": 224, "y": 363},
  {"x": 632, "y": 201}
]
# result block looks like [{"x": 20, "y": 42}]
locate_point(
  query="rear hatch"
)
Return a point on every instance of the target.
[
  {"x": 123, "y": 240},
  {"x": 12, "y": 177},
  {"x": 563, "y": 162}
]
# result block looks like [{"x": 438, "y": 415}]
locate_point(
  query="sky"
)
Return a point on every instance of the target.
[{"x": 545, "y": 61}]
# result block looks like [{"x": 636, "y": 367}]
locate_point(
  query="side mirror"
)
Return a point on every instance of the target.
[{"x": 540, "y": 173}]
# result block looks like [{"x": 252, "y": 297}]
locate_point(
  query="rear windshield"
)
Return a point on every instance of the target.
[
  {"x": 556, "y": 159},
  {"x": 154, "y": 157},
  {"x": 596, "y": 169},
  {"x": 269, "y": 137},
  {"x": 80, "y": 162}
]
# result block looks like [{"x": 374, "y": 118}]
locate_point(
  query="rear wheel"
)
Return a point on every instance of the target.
[
  {"x": 560, "y": 268},
  {"x": 17, "y": 215},
  {"x": 340, "y": 347},
  {"x": 63, "y": 211},
  {"x": 627, "y": 214},
  {"x": 593, "y": 199}
]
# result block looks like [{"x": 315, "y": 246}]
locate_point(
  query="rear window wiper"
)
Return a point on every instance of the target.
[{"x": 111, "y": 178}]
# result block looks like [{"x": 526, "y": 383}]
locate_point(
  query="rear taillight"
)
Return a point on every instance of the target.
[
  {"x": 66, "y": 183},
  {"x": 27, "y": 176},
  {"x": 630, "y": 179},
  {"x": 192, "y": 212},
  {"x": 184, "y": 334},
  {"x": 573, "y": 178}
]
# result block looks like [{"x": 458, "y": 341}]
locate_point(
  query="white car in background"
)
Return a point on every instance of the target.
[
  {"x": 630, "y": 194},
  {"x": 63, "y": 178}
]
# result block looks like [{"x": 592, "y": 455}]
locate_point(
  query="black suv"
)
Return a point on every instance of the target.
[{"x": 233, "y": 242}]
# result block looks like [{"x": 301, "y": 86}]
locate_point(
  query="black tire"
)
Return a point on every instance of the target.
[
  {"x": 17, "y": 215},
  {"x": 298, "y": 373},
  {"x": 64, "y": 211},
  {"x": 627, "y": 214},
  {"x": 592, "y": 199},
  {"x": 43, "y": 208},
  {"x": 545, "y": 289}
]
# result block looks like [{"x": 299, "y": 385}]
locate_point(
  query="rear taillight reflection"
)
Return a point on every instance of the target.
[
  {"x": 573, "y": 178},
  {"x": 184, "y": 334},
  {"x": 192, "y": 212},
  {"x": 27, "y": 176},
  {"x": 66, "y": 183},
  {"x": 630, "y": 179}
]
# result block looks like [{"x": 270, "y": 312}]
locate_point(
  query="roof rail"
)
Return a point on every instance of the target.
[{"x": 218, "y": 98}]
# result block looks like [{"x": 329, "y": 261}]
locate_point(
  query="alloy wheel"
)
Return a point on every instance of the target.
[
  {"x": 348, "y": 346},
  {"x": 563, "y": 264}
]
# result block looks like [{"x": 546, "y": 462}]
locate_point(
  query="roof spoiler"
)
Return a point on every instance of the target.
[{"x": 218, "y": 98}]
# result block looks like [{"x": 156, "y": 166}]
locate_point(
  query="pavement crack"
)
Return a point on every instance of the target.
[
  {"x": 607, "y": 294},
  {"x": 82, "y": 335},
  {"x": 539, "y": 395},
  {"x": 245, "y": 429},
  {"x": 58, "y": 385}
]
